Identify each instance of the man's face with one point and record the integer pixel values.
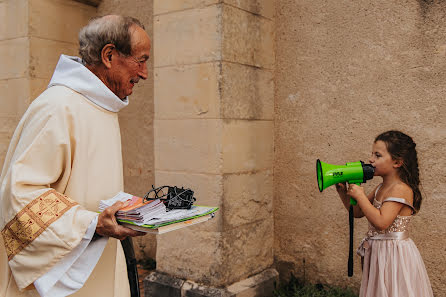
(127, 71)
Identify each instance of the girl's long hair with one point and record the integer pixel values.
(402, 147)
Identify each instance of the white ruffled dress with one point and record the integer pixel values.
(392, 264)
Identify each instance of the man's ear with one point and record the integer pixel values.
(107, 54)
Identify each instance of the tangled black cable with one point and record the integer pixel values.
(172, 197)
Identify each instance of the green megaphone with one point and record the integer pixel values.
(352, 173)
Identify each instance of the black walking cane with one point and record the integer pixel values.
(132, 271)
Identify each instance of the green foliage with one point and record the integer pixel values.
(297, 288)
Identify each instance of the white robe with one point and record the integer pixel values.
(64, 157)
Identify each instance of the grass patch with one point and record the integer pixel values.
(298, 288)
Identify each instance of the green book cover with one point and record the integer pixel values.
(194, 215)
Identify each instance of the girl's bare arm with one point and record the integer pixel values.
(381, 218)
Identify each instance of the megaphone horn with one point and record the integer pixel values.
(353, 173)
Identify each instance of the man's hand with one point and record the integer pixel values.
(108, 226)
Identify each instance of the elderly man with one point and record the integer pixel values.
(64, 157)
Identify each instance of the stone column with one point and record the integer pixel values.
(213, 130)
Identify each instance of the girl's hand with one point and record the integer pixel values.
(341, 188)
(355, 191)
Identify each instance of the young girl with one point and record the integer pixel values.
(392, 264)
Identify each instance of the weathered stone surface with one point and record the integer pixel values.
(14, 95)
(7, 127)
(14, 58)
(261, 7)
(248, 39)
(58, 20)
(189, 91)
(181, 252)
(345, 73)
(247, 250)
(145, 247)
(188, 37)
(157, 284)
(162, 6)
(247, 146)
(44, 55)
(14, 16)
(188, 145)
(259, 285)
(247, 198)
(246, 92)
(191, 289)
(36, 87)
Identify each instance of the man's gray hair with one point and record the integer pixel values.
(100, 31)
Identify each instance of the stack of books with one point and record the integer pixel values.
(153, 217)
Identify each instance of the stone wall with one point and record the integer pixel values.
(345, 72)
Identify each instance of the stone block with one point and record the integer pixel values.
(58, 20)
(5, 138)
(14, 16)
(188, 37)
(247, 250)
(8, 124)
(163, 6)
(215, 258)
(140, 9)
(157, 284)
(208, 188)
(192, 289)
(247, 146)
(247, 92)
(259, 285)
(247, 198)
(14, 57)
(247, 38)
(14, 98)
(145, 246)
(137, 145)
(7, 128)
(44, 55)
(192, 255)
(261, 7)
(138, 184)
(37, 86)
(195, 95)
(190, 146)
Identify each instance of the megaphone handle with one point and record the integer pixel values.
(350, 250)
(353, 201)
